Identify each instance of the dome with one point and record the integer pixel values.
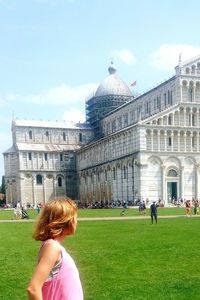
(112, 85)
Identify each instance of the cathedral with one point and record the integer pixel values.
(129, 147)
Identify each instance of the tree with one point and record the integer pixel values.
(3, 187)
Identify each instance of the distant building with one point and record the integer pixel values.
(143, 147)
(41, 164)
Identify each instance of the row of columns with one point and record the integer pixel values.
(189, 87)
(125, 189)
(171, 135)
(181, 115)
(11, 194)
(120, 187)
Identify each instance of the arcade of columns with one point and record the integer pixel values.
(176, 132)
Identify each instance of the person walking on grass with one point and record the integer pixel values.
(56, 276)
(187, 208)
(153, 211)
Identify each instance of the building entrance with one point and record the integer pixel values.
(171, 191)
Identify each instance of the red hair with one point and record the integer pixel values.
(56, 215)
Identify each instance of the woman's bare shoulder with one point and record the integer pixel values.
(52, 248)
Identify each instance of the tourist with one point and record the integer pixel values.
(17, 213)
(38, 207)
(153, 211)
(141, 207)
(187, 207)
(196, 207)
(56, 276)
(144, 208)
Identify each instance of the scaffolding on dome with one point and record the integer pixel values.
(98, 107)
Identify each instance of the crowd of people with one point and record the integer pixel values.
(189, 204)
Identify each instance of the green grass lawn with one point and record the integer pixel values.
(114, 212)
(117, 260)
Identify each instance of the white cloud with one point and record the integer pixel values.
(74, 115)
(166, 57)
(2, 100)
(53, 2)
(60, 95)
(124, 55)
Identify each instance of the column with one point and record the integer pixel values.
(163, 185)
(178, 135)
(33, 187)
(172, 141)
(197, 141)
(173, 117)
(194, 93)
(152, 140)
(165, 137)
(191, 144)
(197, 115)
(197, 182)
(55, 187)
(182, 182)
(184, 117)
(181, 93)
(178, 116)
(190, 118)
(158, 140)
(44, 189)
(185, 140)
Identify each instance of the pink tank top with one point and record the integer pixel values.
(66, 284)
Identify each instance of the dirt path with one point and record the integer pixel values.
(122, 218)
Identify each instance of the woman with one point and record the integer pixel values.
(187, 207)
(56, 276)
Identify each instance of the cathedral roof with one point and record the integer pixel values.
(112, 85)
(10, 150)
(46, 147)
(50, 124)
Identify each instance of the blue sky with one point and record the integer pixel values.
(53, 53)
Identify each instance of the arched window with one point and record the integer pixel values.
(124, 172)
(47, 135)
(193, 69)
(30, 134)
(80, 137)
(172, 173)
(106, 177)
(191, 94)
(187, 70)
(39, 179)
(114, 174)
(64, 136)
(59, 181)
(169, 120)
(193, 142)
(193, 120)
(198, 68)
